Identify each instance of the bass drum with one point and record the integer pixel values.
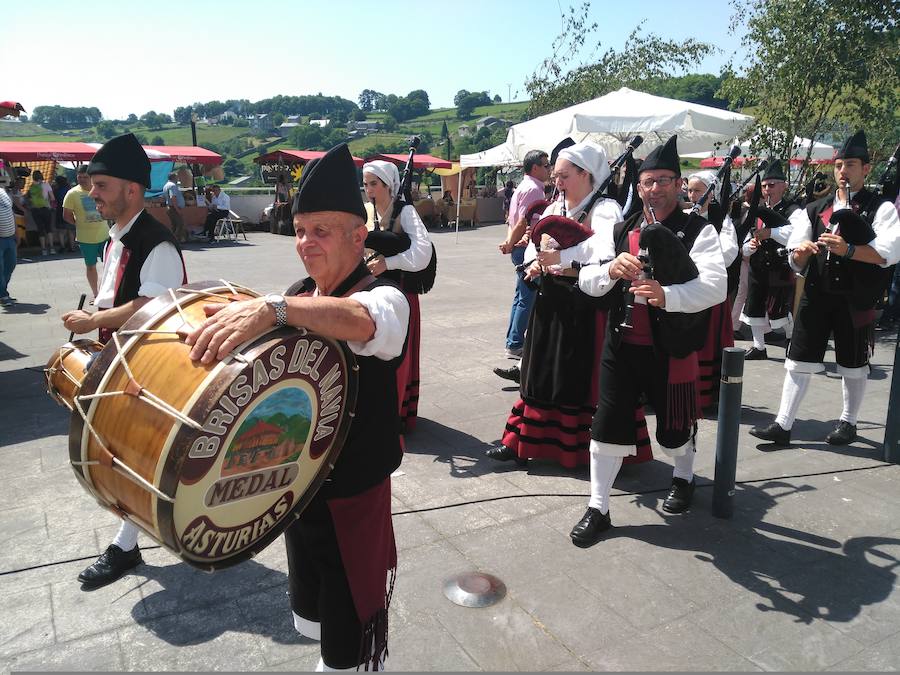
(66, 368)
(213, 462)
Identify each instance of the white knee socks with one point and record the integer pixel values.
(604, 470)
(322, 667)
(854, 390)
(684, 464)
(759, 336)
(792, 393)
(126, 537)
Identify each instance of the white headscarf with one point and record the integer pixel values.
(706, 177)
(387, 172)
(590, 157)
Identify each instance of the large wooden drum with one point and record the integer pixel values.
(66, 368)
(211, 461)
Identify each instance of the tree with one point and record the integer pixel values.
(465, 107)
(152, 120)
(359, 115)
(233, 167)
(106, 129)
(460, 95)
(819, 65)
(368, 99)
(564, 79)
(182, 115)
(389, 122)
(157, 140)
(61, 117)
(497, 98)
(307, 136)
(445, 133)
(277, 119)
(131, 119)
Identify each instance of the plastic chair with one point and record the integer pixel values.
(230, 227)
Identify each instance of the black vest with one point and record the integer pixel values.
(372, 450)
(145, 234)
(674, 333)
(861, 283)
(770, 254)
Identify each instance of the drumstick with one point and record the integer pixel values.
(80, 306)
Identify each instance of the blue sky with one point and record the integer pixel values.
(130, 57)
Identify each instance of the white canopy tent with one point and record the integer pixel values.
(611, 120)
(820, 151)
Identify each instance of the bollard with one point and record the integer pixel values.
(892, 425)
(727, 436)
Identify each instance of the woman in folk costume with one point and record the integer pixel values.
(563, 343)
(398, 246)
(721, 330)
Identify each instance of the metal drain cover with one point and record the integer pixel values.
(474, 589)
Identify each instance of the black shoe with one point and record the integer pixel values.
(754, 354)
(773, 433)
(680, 496)
(588, 530)
(501, 454)
(842, 434)
(512, 373)
(111, 565)
(775, 338)
(743, 335)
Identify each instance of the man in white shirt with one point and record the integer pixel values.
(219, 207)
(341, 549)
(142, 261)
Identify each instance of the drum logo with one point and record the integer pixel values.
(265, 440)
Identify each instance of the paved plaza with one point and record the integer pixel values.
(803, 577)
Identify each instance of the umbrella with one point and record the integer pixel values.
(11, 108)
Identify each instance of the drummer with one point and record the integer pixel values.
(142, 260)
(341, 550)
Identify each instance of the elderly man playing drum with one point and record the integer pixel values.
(341, 550)
(142, 261)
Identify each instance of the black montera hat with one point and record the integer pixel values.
(855, 147)
(567, 142)
(330, 184)
(774, 171)
(663, 157)
(122, 157)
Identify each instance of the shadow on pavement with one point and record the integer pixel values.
(26, 410)
(793, 572)
(26, 308)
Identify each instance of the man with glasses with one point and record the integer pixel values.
(845, 244)
(537, 172)
(645, 356)
(770, 291)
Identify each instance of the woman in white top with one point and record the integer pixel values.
(399, 247)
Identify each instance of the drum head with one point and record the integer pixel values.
(273, 428)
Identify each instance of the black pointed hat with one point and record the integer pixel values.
(567, 142)
(330, 184)
(122, 157)
(855, 147)
(663, 157)
(774, 171)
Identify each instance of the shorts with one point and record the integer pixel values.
(43, 218)
(91, 252)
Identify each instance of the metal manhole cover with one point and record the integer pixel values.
(474, 589)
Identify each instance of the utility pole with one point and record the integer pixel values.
(509, 92)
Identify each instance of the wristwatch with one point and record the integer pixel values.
(278, 303)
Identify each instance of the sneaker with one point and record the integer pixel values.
(7, 301)
(52, 251)
(514, 352)
(43, 251)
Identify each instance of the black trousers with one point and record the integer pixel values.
(209, 227)
(827, 315)
(770, 293)
(627, 372)
(318, 585)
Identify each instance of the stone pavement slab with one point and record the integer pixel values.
(803, 577)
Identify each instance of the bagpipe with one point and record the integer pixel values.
(392, 241)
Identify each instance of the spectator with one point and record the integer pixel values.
(219, 205)
(507, 197)
(7, 240)
(66, 230)
(39, 199)
(91, 230)
(174, 204)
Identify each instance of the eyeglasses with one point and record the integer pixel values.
(663, 181)
(546, 165)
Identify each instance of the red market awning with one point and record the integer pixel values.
(295, 157)
(11, 108)
(419, 161)
(29, 151)
(188, 154)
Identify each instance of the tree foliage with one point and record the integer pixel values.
(62, 117)
(155, 120)
(566, 77)
(814, 66)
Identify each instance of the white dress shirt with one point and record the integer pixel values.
(418, 255)
(389, 309)
(709, 288)
(161, 270)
